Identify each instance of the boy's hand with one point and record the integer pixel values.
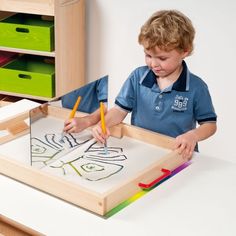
(99, 135)
(185, 144)
(76, 125)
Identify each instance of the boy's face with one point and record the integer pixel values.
(164, 63)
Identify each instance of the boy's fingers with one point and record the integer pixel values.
(97, 136)
(187, 156)
(68, 127)
(95, 133)
(185, 151)
(188, 152)
(181, 148)
(68, 121)
(176, 145)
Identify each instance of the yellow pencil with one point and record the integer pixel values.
(72, 114)
(103, 124)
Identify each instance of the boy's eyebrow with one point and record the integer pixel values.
(154, 55)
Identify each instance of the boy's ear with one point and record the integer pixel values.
(185, 53)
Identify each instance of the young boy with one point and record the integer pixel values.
(165, 96)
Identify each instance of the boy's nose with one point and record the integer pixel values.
(155, 64)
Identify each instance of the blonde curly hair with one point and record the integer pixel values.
(168, 30)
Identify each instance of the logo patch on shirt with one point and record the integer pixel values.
(180, 103)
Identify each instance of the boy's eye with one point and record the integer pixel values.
(162, 58)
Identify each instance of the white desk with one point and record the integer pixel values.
(200, 200)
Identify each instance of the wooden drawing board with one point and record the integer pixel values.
(151, 151)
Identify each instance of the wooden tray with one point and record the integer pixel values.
(100, 203)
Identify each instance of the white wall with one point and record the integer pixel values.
(112, 48)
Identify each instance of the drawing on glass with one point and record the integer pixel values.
(89, 161)
(94, 164)
(47, 149)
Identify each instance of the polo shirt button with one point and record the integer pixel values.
(160, 96)
(157, 108)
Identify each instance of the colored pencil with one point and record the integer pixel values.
(76, 105)
(103, 124)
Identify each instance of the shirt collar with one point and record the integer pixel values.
(181, 84)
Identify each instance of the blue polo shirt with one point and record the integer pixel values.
(172, 111)
(92, 94)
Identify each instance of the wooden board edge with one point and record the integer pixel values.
(53, 185)
(148, 136)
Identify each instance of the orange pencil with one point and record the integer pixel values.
(103, 124)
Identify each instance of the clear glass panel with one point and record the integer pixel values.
(48, 140)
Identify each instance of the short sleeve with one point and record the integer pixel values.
(204, 110)
(126, 97)
(102, 89)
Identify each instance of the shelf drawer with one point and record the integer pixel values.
(28, 75)
(27, 32)
(28, 6)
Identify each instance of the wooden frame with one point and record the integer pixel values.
(69, 18)
(92, 201)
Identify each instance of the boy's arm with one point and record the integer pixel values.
(186, 142)
(113, 117)
(205, 130)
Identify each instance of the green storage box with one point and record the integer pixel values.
(28, 32)
(28, 75)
